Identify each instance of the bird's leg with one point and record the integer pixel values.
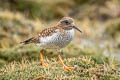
(64, 66)
(42, 60)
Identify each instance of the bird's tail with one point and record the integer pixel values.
(27, 41)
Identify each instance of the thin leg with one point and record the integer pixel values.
(42, 60)
(64, 66)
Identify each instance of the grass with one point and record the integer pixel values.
(86, 68)
(23, 63)
(31, 52)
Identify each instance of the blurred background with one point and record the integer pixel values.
(22, 19)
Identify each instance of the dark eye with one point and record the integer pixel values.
(66, 22)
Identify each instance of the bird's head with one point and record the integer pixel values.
(67, 23)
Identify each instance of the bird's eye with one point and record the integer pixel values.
(66, 22)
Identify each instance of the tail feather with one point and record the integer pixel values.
(27, 41)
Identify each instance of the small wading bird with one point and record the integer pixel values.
(56, 37)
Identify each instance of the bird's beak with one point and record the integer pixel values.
(77, 28)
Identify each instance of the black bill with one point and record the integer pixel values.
(77, 28)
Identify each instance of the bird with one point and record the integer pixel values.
(56, 37)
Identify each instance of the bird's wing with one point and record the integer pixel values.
(46, 32)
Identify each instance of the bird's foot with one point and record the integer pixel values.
(44, 65)
(68, 68)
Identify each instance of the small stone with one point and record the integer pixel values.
(76, 66)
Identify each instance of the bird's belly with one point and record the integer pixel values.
(57, 40)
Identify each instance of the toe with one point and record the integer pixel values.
(44, 66)
(69, 68)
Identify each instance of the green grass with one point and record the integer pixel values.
(86, 68)
(31, 52)
(23, 63)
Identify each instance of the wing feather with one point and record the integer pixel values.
(44, 33)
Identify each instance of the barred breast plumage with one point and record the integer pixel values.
(57, 40)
